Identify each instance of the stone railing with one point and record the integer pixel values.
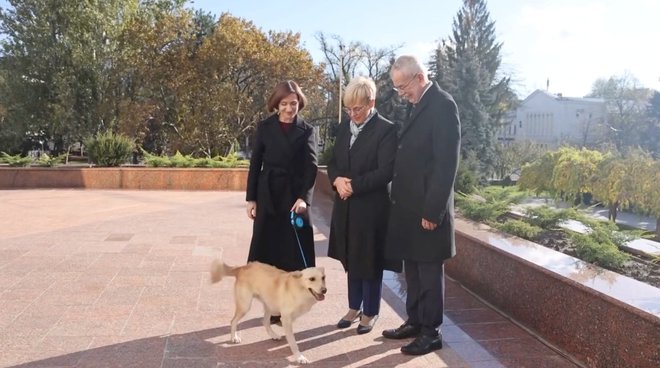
(123, 178)
(599, 317)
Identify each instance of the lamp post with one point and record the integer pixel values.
(341, 73)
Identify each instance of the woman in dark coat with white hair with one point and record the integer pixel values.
(360, 169)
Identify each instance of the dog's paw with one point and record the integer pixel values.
(235, 339)
(301, 359)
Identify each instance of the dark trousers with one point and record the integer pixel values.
(365, 294)
(426, 294)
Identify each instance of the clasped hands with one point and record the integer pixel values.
(343, 186)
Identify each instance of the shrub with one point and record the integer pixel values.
(326, 155)
(478, 209)
(15, 160)
(179, 160)
(489, 203)
(466, 180)
(109, 149)
(520, 228)
(509, 195)
(45, 160)
(595, 248)
(547, 217)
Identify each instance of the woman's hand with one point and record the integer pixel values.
(252, 209)
(343, 186)
(300, 206)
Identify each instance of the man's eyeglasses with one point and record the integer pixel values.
(404, 86)
(354, 111)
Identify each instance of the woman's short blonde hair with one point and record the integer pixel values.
(359, 90)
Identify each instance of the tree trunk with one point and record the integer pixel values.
(613, 211)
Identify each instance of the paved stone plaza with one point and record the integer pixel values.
(94, 278)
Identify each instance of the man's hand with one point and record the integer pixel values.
(252, 210)
(428, 225)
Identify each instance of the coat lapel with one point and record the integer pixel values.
(297, 131)
(417, 109)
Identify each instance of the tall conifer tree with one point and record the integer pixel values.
(467, 65)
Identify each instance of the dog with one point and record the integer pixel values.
(288, 294)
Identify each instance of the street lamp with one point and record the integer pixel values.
(341, 73)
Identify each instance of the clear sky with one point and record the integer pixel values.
(571, 42)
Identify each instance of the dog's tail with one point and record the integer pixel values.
(220, 269)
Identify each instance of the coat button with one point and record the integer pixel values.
(400, 146)
(393, 202)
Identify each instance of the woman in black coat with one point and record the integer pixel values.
(359, 170)
(281, 179)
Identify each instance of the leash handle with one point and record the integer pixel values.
(295, 231)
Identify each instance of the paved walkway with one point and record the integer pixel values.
(624, 218)
(119, 279)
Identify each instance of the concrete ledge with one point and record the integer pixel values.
(599, 317)
(123, 178)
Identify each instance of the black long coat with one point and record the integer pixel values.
(282, 169)
(358, 228)
(423, 183)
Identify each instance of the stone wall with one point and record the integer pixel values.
(599, 317)
(123, 178)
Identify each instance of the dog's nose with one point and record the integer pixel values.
(324, 290)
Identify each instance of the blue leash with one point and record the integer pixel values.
(297, 222)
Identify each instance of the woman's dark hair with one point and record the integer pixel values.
(282, 90)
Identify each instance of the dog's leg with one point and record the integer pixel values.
(288, 330)
(243, 300)
(266, 322)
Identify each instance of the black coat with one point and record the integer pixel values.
(358, 228)
(423, 183)
(282, 169)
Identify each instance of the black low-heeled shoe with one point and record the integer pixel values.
(345, 323)
(363, 329)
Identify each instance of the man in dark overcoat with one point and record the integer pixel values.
(421, 225)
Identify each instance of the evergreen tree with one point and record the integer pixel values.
(467, 65)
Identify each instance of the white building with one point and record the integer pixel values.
(553, 120)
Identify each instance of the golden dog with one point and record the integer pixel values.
(288, 294)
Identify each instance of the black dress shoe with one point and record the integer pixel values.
(404, 331)
(423, 344)
(346, 323)
(366, 327)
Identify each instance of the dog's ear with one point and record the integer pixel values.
(296, 274)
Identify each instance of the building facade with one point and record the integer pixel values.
(553, 120)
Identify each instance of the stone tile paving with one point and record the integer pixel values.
(120, 279)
